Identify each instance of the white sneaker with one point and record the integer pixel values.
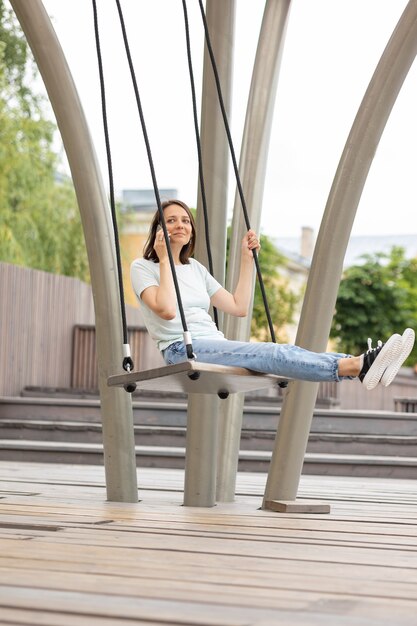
(377, 360)
(408, 338)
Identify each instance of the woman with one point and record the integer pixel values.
(154, 287)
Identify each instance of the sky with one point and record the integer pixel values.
(331, 51)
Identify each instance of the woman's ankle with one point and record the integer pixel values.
(350, 366)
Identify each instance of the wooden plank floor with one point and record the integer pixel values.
(68, 557)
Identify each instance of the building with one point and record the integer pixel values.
(299, 251)
(138, 207)
(358, 246)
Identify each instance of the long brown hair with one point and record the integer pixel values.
(186, 252)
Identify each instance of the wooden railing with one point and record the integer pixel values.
(353, 395)
(84, 374)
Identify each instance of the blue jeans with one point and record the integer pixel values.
(283, 360)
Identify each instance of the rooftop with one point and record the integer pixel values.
(144, 199)
(358, 245)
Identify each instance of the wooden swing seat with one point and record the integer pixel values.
(194, 377)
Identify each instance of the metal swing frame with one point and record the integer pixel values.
(324, 278)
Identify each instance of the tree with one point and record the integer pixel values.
(40, 225)
(282, 300)
(17, 61)
(375, 299)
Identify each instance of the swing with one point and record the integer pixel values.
(195, 377)
(189, 376)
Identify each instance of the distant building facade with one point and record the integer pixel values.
(358, 245)
(299, 251)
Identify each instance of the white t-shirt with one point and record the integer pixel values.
(196, 285)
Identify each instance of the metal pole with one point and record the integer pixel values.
(252, 167)
(116, 406)
(327, 264)
(203, 410)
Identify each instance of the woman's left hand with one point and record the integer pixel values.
(250, 242)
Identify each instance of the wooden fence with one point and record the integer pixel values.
(38, 312)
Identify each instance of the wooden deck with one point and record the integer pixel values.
(68, 557)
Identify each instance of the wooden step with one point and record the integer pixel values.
(88, 410)
(83, 432)
(164, 413)
(171, 457)
(335, 443)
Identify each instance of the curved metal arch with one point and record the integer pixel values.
(327, 265)
(116, 405)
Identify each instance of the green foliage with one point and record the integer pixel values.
(376, 299)
(282, 301)
(18, 65)
(39, 221)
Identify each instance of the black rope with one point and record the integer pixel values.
(198, 143)
(127, 361)
(235, 167)
(154, 181)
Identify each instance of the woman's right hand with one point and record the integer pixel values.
(161, 299)
(159, 245)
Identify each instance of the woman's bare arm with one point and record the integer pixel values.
(237, 303)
